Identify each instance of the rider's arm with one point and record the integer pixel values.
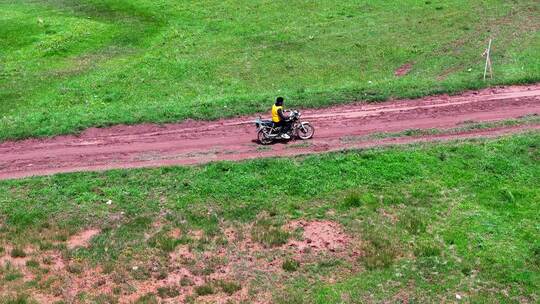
(281, 115)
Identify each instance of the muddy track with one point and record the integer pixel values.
(194, 142)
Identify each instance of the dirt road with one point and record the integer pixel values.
(339, 127)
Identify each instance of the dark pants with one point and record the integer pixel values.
(283, 125)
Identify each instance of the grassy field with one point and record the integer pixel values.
(66, 65)
(423, 223)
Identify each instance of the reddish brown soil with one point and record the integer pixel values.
(194, 142)
(403, 70)
(319, 236)
(82, 239)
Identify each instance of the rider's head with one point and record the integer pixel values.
(279, 101)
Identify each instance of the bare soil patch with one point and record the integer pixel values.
(82, 239)
(404, 69)
(319, 236)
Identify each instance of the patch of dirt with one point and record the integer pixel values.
(6, 258)
(176, 233)
(196, 234)
(82, 238)
(181, 254)
(403, 70)
(319, 236)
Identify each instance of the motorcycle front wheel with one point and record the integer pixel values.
(263, 139)
(306, 131)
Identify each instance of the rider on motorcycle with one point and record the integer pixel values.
(279, 119)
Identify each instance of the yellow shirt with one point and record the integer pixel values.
(275, 114)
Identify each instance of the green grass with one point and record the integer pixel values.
(66, 65)
(168, 292)
(268, 233)
(22, 299)
(427, 227)
(17, 253)
(204, 290)
(229, 287)
(290, 265)
(147, 299)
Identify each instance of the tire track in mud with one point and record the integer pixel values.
(194, 142)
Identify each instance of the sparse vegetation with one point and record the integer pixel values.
(268, 233)
(288, 297)
(300, 145)
(140, 273)
(427, 248)
(19, 299)
(12, 276)
(105, 299)
(149, 298)
(32, 263)
(204, 290)
(413, 222)
(353, 199)
(186, 281)
(290, 265)
(164, 242)
(380, 250)
(168, 292)
(229, 287)
(75, 268)
(18, 253)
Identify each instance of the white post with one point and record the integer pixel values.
(488, 61)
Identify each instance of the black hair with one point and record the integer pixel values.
(279, 101)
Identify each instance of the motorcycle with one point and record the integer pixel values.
(267, 132)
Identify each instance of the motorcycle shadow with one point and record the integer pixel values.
(280, 141)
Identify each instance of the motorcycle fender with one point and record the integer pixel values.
(305, 123)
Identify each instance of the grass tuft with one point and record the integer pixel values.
(186, 281)
(32, 263)
(290, 265)
(149, 298)
(18, 252)
(412, 221)
(19, 299)
(427, 249)
(12, 276)
(168, 292)
(380, 249)
(229, 287)
(268, 233)
(204, 290)
(352, 200)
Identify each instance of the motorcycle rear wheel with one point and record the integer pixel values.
(263, 139)
(306, 131)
